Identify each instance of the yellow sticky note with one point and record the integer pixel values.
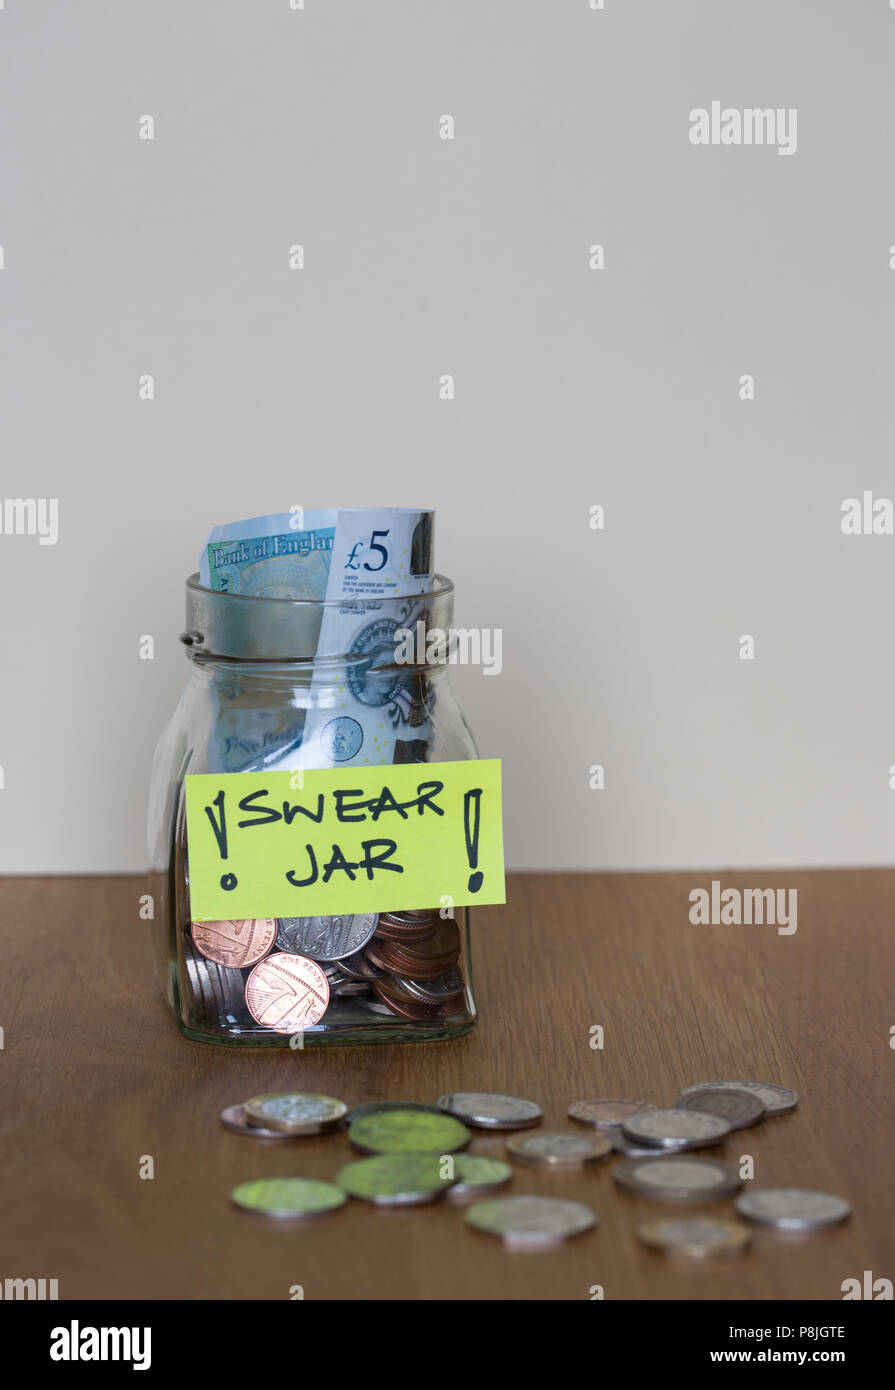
(353, 839)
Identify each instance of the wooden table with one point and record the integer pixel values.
(96, 1077)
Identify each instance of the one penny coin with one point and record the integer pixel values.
(287, 993)
(237, 941)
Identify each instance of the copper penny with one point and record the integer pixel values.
(373, 956)
(392, 987)
(423, 961)
(415, 969)
(417, 1013)
(287, 993)
(237, 941)
(411, 935)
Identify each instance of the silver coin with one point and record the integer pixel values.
(234, 1118)
(326, 938)
(678, 1178)
(739, 1108)
(376, 1008)
(487, 1111)
(560, 1150)
(792, 1208)
(621, 1145)
(216, 992)
(777, 1100)
(351, 966)
(343, 989)
(531, 1221)
(433, 991)
(675, 1129)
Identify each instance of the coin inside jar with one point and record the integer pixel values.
(739, 1108)
(442, 988)
(408, 1131)
(530, 1221)
(326, 938)
(396, 1180)
(288, 1198)
(412, 918)
(235, 942)
(695, 1237)
(606, 1114)
(414, 1011)
(559, 1150)
(287, 993)
(485, 1110)
(296, 1113)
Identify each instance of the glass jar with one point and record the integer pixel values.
(261, 696)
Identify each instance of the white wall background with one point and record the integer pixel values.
(573, 387)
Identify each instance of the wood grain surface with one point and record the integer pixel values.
(95, 1076)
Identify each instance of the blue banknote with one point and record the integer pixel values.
(373, 565)
(285, 555)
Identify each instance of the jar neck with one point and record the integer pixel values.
(283, 676)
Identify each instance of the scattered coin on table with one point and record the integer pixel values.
(696, 1237)
(678, 1178)
(486, 1111)
(564, 1149)
(739, 1108)
(288, 1198)
(379, 1107)
(624, 1146)
(396, 1180)
(777, 1100)
(234, 1118)
(526, 1222)
(477, 1174)
(607, 1114)
(410, 1141)
(675, 1129)
(792, 1208)
(295, 1113)
(408, 1131)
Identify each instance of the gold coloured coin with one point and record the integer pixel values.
(295, 1113)
(696, 1237)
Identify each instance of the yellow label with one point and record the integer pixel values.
(353, 839)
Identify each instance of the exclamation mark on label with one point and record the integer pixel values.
(472, 809)
(228, 881)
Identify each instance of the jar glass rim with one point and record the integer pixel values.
(441, 587)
